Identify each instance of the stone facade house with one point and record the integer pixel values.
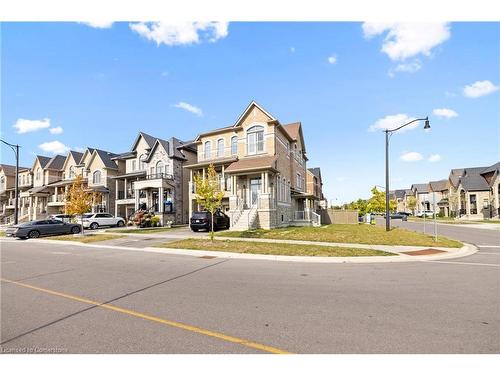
(439, 196)
(262, 170)
(422, 195)
(492, 176)
(153, 178)
(402, 200)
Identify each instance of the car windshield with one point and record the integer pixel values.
(200, 215)
(86, 216)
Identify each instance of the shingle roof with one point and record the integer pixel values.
(254, 163)
(439, 185)
(315, 171)
(420, 188)
(150, 140)
(77, 156)
(494, 168)
(8, 170)
(43, 160)
(56, 162)
(292, 129)
(106, 158)
(400, 193)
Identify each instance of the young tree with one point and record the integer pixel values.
(377, 201)
(412, 203)
(78, 199)
(208, 193)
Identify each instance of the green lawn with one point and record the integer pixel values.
(85, 239)
(347, 233)
(141, 230)
(271, 248)
(2, 233)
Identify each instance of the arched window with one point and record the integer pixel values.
(220, 148)
(96, 177)
(159, 167)
(255, 139)
(71, 172)
(234, 145)
(142, 162)
(208, 149)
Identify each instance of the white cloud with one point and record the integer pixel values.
(479, 88)
(404, 40)
(434, 158)
(164, 74)
(444, 112)
(28, 126)
(100, 24)
(393, 121)
(54, 147)
(172, 34)
(332, 59)
(190, 108)
(411, 156)
(56, 130)
(292, 49)
(411, 67)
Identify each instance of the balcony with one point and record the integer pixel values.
(216, 154)
(56, 200)
(155, 176)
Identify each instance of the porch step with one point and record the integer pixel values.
(242, 223)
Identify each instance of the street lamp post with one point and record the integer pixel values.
(15, 148)
(387, 133)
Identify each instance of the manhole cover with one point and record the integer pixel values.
(208, 257)
(424, 252)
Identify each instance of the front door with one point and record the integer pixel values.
(255, 186)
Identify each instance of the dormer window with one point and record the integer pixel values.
(255, 140)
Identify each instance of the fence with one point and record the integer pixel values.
(331, 216)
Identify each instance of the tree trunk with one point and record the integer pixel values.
(212, 228)
(81, 222)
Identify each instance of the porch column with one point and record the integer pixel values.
(36, 208)
(223, 181)
(160, 199)
(125, 189)
(21, 201)
(263, 183)
(55, 195)
(203, 173)
(117, 182)
(136, 193)
(30, 208)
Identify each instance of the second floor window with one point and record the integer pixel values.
(37, 175)
(133, 165)
(234, 145)
(220, 148)
(71, 172)
(159, 167)
(208, 149)
(255, 139)
(96, 177)
(142, 162)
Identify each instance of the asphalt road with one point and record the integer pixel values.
(157, 303)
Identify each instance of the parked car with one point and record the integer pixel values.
(94, 221)
(37, 228)
(63, 217)
(203, 220)
(399, 215)
(427, 213)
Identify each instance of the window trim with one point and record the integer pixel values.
(94, 174)
(254, 131)
(234, 145)
(220, 152)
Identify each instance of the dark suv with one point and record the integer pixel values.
(203, 219)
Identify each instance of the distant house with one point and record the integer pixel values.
(439, 196)
(492, 177)
(314, 184)
(401, 196)
(421, 192)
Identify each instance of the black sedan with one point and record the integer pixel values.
(37, 228)
(203, 220)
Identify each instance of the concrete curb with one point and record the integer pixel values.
(467, 249)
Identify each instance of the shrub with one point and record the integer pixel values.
(155, 221)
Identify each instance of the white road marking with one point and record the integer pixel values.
(489, 246)
(466, 263)
(59, 253)
(482, 252)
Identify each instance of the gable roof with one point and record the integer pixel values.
(253, 163)
(439, 185)
(106, 158)
(77, 156)
(252, 104)
(493, 168)
(149, 139)
(43, 160)
(400, 193)
(56, 162)
(292, 129)
(10, 170)
(420, 188)
(315, 171)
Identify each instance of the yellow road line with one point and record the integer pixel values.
(171, 323)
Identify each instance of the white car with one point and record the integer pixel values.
(62, 217)
(427, 213)
(94, 221)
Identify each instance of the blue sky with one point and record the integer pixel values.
(102, 85)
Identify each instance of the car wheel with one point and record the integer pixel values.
(34, 234)
(94, 226)
(75, 230)
(120, 223)
(194, 229)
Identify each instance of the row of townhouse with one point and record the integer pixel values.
(261, 165)
(467, 193)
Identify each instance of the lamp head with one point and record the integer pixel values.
(427, 125)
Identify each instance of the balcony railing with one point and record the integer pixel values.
(216, 154)
(155, 176)
(57, 198)
(130, 195)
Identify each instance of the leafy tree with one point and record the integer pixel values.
(79, 199)
(377, 202)
(411, 202)
(208, 193)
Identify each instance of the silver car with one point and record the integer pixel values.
(37, 228)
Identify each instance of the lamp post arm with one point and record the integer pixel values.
(408, 123)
